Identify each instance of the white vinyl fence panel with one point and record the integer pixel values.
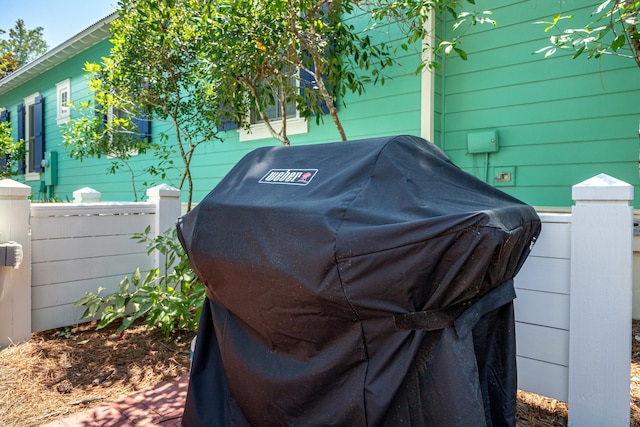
(78, 248)
(542, 311)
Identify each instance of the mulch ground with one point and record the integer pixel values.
(62, 372)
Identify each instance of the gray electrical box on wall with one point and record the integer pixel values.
(10, 254)
(485, 141)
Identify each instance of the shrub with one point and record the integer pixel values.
(169, 301)
(10, 152)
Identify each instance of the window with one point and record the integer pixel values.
(116, 113)
(295, 124)
(142, 126)
(31, 130)
(274, 112)
(63, 94)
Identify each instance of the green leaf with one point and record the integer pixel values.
(138, 314)
(92, 310)
(461, 53)
(618, 42)
(135, 278)
(150, 277)
(123, 287)
(579, 51)
(85, 300)
(120, 304)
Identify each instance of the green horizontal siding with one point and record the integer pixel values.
(72, 175)
(560, 121)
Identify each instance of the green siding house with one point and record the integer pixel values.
(34, 101)
(532, 126)
(559, 121)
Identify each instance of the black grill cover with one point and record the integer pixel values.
(359, 283)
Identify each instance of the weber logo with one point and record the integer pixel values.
(289, 176)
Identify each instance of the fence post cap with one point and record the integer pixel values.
(85, 195)
(9, 187)
(85, 190)
(602, 187)
(163, 190)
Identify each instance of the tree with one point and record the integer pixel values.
(93, 134)
(412, 16)
(194, 65)
(152, 72)
(277, 54)
(8, 64)
(613, 31)
(199, 65)
(25, 45)
(303, 52)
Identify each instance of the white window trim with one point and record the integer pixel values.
(63, 112)
(295, 126)
(29, 175)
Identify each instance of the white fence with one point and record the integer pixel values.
(573, 309)
(77, 248)
(542, 311)
(74, 248)
(574, 304)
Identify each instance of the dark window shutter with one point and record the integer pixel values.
(38, 125)
(308, 83)
(100, 113)
(21, 135)
(227, 124)
(143, 126)
(4, 160)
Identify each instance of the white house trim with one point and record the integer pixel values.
(427, 102)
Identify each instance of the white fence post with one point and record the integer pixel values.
(168, 209)
(600, 306)
(15, 283)
(169, 206)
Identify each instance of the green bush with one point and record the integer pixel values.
(171, 301)
(11, 152)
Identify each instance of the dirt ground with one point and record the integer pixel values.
(61, 372)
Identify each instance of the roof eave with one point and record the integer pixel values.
(76, 44)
